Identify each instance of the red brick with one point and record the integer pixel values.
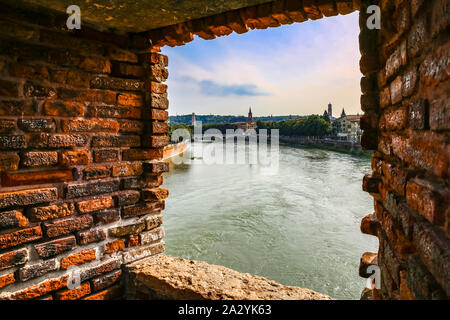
(9, 88)
(40, 289)
(37, 125)
(19, 237)
(161, 115)
(78, 190)
(439, 113)
(67, 140)
(9, 161)
(370, 225)
(429, 200)
(28, 72)
(133, 241)
(12, 219)
(111, 83)
(151, 180)
(31, 89)
(158, 74)
(95, 64)
(156, 87)
(115, 246)
(92, 173)
(155, 167)
(52, 212)
(126, 230)
(130, 99)
(10, 179)
(27, 197)
(73, 158)
(77, 259)
(130, 126)
(108, 294)
(98, 270)
(152, 236)
(118, 112)
(159, 101)
(67, 225)
(55, 247)
(128, 70)
(89, 126)
(13, 258)
(116, 141)
(107, 216)
(90, 236)
(74, 294)
(33, 159)
(154, 194)
(94, 96)
(6, 280)
(142, 209)
(118, 54)
(63, 109)
(126, 169)
(419, 114)
(158, 127)
(95, 204)
(396, 90)
(394, 120)
(106, 155)
(151, 141)
(7, 125)
(142, 154)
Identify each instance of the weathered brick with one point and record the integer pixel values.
(73, 158)
(116, 141)
(55, 247)
(154, 194)
(155, 167)
(133, 241)
(152, 236)
(128, 70)
(39, 289)
(142, 154)
(31, 89)
(419, 114)
(417, 36)
(38, 269)
(159, 101)
(141, 209)
(151, 181)
(6, 280)
(95, 64)
(52, 212)
(9, 88)
(96, 271)
(434, 69)
(396, 90)
(33, 159)
(12, 219)
(116, 83)
(127, 198)
(153, 221)
(63, 109)
(367, 259)
(440, 114)
(118, 54)
(107, 216)
(396, 61)
(427, 199)
(67, 225)
(126, 230)
(106, 280)
(89, 126)
(156, 87)
(27, 197)
(160, 115)
(19, 237)
(90, 236)
(78, 190)
(158, 74)
(115, 246)
(94, 96)
(13, 258)
(37, 140)
(151, 141)
(9, 161)
(157, 127)
(130, 99)
(12, 142)
(74, 294)
(394, 120)
(98, 172)
(37, 125)
(18, 108)
(67, 140)
(118, 112)
(142, 252)
(95, 204)
(106, 155)
(130, 126)
(7, 125)
(77, 259)
(28, 72)
(10, 179)
(126, 169)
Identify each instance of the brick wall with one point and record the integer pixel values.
(407, 107)
(82, 125)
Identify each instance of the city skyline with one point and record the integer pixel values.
(262, 69)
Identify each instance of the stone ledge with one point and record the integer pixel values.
(165, 277)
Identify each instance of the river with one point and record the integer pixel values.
(298, 226)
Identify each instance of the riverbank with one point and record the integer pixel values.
(327, 144)
(174, 149)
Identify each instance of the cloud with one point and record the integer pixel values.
(211, 88)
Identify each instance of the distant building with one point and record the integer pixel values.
(250, 124)
(193, 119)
(347, 127)
(330, 111)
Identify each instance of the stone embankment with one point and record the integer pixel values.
(165, 277)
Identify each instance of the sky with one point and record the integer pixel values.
(292, 69)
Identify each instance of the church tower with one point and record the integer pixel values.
(250, 115)
(330, 111)
(343, 113)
